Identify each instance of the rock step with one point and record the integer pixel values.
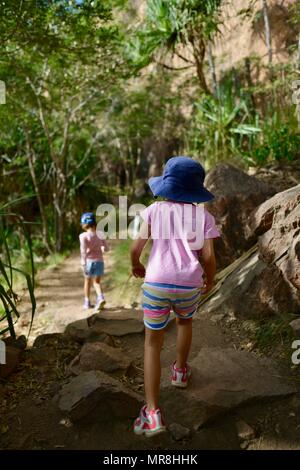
(112, 322)
(99, 356)
(222, 379)
(97, 396)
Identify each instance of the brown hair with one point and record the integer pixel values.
(87, 226)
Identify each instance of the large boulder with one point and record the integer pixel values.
(253, 289)
(236, 196)
(100, 356)
(277, 221)
(222, 380)
(95, 395)
(266, 279)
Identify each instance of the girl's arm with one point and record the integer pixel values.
(105, 245)
(82, 250)
(209, 264)
(138, 269)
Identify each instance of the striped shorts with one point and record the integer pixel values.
(159, 299)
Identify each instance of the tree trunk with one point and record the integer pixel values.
(267, 33)
(31, 162)
(59, 201)
(198, 45)
(212, 71)
(249, 81)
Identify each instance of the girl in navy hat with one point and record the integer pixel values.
(174, 278)
(92, 245)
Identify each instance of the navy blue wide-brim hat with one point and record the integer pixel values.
(182, 181)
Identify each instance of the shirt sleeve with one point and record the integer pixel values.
(146, 214)
(210, 228)
(82, 249)
(104, 245)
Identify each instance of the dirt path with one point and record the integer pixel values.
(231, 388)
(59, 296)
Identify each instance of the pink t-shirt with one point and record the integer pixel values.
(91, 244)
(178, 231)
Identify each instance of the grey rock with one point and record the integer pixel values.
(178, 432)
(49, 340)
(253, 289)
(295, 325)
(244, 445)
(236, 196)
(277, 221)
(120, 322)
(100, 356)
(110, 322)
(81, 332)
(42, 356)
(217, 318)
(99, 397)
(245, 432)
(222, 379)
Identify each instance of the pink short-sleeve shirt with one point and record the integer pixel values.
(91, 244)
(178, 231)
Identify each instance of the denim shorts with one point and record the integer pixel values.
(94, 269)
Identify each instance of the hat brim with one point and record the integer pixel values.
(159, 187)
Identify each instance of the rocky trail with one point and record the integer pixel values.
(80, 385)
(79, 382)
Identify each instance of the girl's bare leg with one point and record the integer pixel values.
(97, 286)
(87, 287)
(152, 368)
(184, 341)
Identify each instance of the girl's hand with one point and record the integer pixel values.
(206, 288)
(138, 270)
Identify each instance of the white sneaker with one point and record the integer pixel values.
(180, 377)
(86, 304)
(149, 423)
(99, 304)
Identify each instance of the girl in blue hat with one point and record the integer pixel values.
(92, 245)
(180, 231)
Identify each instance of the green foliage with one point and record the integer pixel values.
(57, 69)
(221, 127)
(251, 126)
(9, 312)
(279, 142)
(274, 334)
(295, 13)
(173, 23)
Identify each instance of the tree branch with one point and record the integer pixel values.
(184, 58)
(169, 67)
